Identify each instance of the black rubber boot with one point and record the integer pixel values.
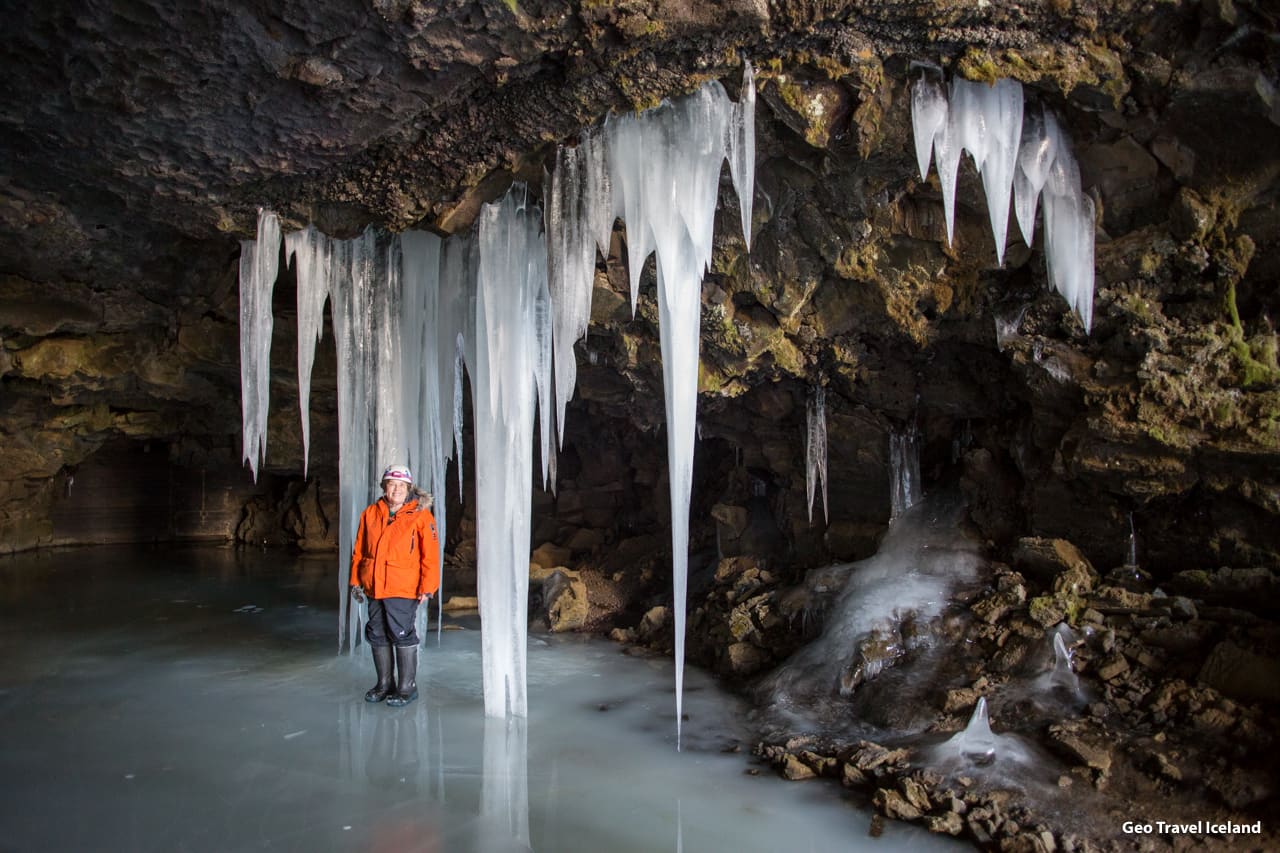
(407, 666)
(382, 665)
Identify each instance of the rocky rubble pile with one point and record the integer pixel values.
(1174, 718)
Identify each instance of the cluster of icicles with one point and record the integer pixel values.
(1023, 153)
(506, 302)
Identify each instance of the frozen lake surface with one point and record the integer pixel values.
(191, 699)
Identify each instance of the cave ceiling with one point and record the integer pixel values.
(133, 127)
(138, 139)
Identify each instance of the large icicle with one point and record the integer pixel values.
(366, 315)
(815, 449)
(423, 411)
(259, 263)
(665, 166)
(511, 274)
(312, 254)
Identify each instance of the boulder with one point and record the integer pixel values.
(565, 597)
(1055, 563)
(548, 555)
(1242, 674)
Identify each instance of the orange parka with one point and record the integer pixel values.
(396, 556)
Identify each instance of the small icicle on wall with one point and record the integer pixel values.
(1019, 152)
(815, 449)
(509, 302)
(904, 471)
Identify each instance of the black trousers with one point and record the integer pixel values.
(392, 622)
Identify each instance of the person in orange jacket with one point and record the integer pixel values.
(395, 565)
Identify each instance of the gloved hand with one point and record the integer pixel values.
(358, 594)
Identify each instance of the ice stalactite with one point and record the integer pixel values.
(455, 340)
(422, 408)
(1002, 109)
(349, 318)
(1035, 155)
(815, 449)
(904, 471)
(579, 218)
(1068, 227)
(665, 168)
(511, 279)
(741, 142)
(928, 117)
(1023, 156)
(312, 254)
(484, 303)
(259, 263)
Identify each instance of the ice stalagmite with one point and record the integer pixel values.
(1063, 675)
(312, 254)
(259, 263)
(815, 448)
(976, 742)
(510, 278)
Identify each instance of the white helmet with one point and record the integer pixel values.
(398, 472)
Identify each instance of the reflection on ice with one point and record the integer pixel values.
(504, 804)
(194, 727)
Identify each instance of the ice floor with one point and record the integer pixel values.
(191, 700)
